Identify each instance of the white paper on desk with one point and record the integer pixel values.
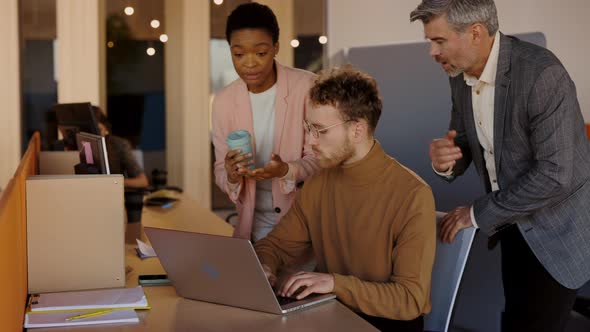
(145, 250)
(93, 299)
(51, 319)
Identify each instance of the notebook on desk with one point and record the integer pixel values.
(116, 298)
(221, 270)
(56, 319)
(85, 307)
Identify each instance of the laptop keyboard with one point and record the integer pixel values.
(286, 300)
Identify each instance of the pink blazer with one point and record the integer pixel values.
(232, 111)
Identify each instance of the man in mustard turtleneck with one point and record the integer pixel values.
(369, 220)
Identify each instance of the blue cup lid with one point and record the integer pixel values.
(238, 137)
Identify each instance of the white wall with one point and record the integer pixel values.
(188, 148)
(80, 62)
(284, 10)
(9, 92)
(565, 25)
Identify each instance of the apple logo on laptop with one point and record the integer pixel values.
(209, 270)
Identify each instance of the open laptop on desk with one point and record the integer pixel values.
(220, 269)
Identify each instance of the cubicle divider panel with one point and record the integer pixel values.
(76, 232)
(13, 277)
(13, 242)
(29, 165)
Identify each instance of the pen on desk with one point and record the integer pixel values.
(90, 314)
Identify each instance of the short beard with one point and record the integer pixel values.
(472, 59)
(455, 72)
(344, 153)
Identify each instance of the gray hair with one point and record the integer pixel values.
(460, 13)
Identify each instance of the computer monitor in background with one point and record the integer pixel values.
(93, 154)
(75, 118)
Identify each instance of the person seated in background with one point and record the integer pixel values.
(120, 153)
(369, 219)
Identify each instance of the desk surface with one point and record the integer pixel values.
(173, 313)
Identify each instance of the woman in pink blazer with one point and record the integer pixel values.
(269, 101)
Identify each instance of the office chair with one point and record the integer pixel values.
(449, 263)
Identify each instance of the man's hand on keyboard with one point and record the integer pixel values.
(310, 282)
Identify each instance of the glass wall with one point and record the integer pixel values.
(135, 40)
(39, 86)
(309, 26)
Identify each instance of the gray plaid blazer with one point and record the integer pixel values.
(542, 158)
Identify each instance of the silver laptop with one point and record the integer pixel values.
(220, 269)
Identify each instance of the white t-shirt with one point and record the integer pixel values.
(263, 116)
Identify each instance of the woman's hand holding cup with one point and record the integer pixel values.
(236, 165)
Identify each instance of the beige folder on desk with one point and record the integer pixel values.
(75, 232)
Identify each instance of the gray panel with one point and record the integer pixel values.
(449, 264)
(416, 109)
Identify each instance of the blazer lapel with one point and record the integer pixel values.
(280, 106)
(500, 97)
(243, 115)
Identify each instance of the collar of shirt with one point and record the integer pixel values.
(488, 75)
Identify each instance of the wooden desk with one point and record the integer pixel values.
(173, 313)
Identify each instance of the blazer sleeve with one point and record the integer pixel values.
(553, 112)
(457, 123)
(220, 131)
(308, 164)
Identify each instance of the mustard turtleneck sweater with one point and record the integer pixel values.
(372, 225)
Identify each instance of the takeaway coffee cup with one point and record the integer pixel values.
(240, 139)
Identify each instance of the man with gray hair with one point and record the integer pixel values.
(516, 117)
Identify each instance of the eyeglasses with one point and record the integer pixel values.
(315, 132)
